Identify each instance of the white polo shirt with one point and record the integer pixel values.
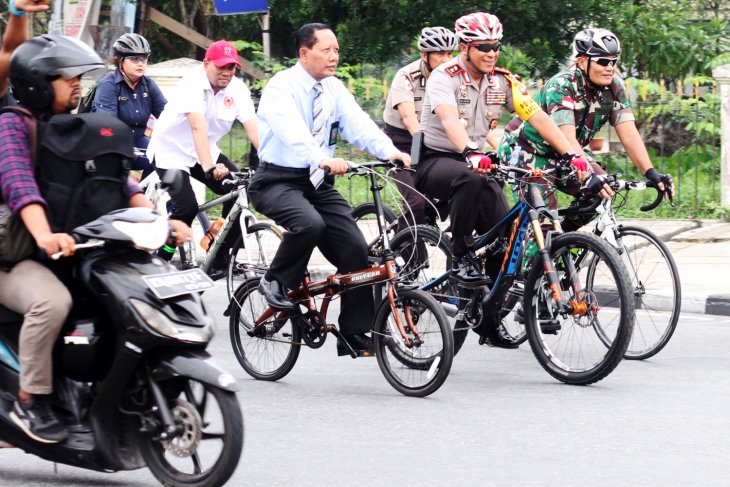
(172, 145)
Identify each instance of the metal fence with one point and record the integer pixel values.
(681, 129)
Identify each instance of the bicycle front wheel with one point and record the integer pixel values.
(424, 255)
(421, 367)
(656, 288)
(251, 256)
(579, 347)
(267, 351)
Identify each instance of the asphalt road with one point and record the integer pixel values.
(499, 420)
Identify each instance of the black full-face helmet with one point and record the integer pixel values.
(36, 62)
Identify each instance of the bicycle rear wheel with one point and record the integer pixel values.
(580, 348)
(267, 351)
(420, 369)
(656, 289)
(251, 256)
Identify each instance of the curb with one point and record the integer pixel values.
(718, 304)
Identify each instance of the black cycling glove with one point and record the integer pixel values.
(594, 184)
(656, 177)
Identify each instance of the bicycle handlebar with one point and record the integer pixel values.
(621, 185)
(361, 168)
(239, 177)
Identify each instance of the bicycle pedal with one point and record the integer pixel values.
(550, 327)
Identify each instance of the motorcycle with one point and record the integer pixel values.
(133, 383)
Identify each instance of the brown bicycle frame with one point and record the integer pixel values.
(335, 284)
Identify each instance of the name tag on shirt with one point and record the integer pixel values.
(334, 130)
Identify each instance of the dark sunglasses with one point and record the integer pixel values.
(486, 47)
(605, 61)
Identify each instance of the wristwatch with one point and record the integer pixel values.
(469, 148)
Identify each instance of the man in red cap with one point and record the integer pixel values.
(201, 111)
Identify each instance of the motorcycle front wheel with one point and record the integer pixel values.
(207, 446)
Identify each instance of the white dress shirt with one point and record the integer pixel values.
(172, 145)
(284, 121)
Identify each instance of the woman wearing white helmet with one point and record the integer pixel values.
(403, 107)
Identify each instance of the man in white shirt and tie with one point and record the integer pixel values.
(301, 113)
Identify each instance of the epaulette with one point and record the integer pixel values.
(504, 71)
(453, 70)
(416, 74)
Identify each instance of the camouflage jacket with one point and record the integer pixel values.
(569, 100)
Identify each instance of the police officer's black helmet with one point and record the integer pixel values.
(36, 62)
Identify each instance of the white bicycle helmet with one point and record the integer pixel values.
(478, 26)
(596, 42)
(437, 39)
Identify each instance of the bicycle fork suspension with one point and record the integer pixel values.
(572, 307)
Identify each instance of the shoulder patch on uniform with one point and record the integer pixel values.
(497, 69)
(453, 70)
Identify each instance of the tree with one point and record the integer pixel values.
(669, 39)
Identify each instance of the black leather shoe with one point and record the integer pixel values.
(275, 295)
(466, 273)
(361, 343)
(497, 336)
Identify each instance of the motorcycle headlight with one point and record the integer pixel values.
(164, 325)
(145, 235)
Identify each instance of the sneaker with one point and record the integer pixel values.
(466, 273)
(38, 421)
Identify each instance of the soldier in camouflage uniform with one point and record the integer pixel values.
(464, 99)
(403, 108)
(581, 100)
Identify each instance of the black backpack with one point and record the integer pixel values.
(82, 164)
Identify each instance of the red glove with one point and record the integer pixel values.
(477, 160)
(579, 164)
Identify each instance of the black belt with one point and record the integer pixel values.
(275, 167)
(397, 130)
(427, 151)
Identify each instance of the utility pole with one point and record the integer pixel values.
(264, 23)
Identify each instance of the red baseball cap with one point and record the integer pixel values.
(222, 53)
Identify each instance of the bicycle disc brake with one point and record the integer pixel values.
(314, 328)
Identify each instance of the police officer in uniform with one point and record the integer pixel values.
(302, 112)
(403, 107)
(464, 100)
